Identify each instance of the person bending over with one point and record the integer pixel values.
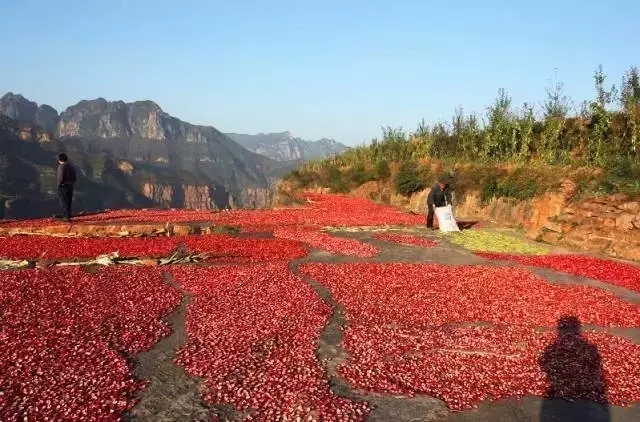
(439, 196)
(66, 177)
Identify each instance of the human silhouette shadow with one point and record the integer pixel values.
(573, 367)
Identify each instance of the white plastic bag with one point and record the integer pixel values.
(446, 221)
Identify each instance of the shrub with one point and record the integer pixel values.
(332, 178)
(359, 175)
(382, 170)
(408, 180)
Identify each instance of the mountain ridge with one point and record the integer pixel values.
(283, 146)
(168, 156)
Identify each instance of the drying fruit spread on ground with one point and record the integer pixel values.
(466, 334)
(64, 335)
(613, 272)
(259, 309)
(252, 335)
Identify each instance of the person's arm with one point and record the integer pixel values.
(72, 174)
(431, 198)
(448, 194)
(60, 174)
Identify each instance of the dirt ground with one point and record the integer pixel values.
(173, 395)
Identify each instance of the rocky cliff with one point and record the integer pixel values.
(146, 155)
(285, 147)
(22, 110)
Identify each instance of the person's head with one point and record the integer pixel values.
(62, 158)
(443, 181)
(569, 325)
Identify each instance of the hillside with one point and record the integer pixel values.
(508, 152)
(566, 179)
(284, 147)
(148, 156)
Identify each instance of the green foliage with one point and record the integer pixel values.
(382, 170)
(408, 179)
(358, 175)
(301, 178)
(597, 135)
(331, 177)
(520, 184)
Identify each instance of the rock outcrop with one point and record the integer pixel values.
(19, 108)
(607, 224)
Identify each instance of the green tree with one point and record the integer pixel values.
(630, 101)
(556, 104)
(600, 133)
(498, 133)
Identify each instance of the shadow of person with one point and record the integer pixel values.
(573, 366)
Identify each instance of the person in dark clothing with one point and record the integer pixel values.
(66, 178)
(439, 196)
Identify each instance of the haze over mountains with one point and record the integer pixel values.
(284, 147)
(134, 155)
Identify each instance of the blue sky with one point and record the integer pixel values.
(338, 69)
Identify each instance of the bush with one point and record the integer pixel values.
(302, 178)
(382, 170)
(408, 180)
(521, 184)
(359, 175)
(331, 177)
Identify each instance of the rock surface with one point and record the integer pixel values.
(607, 224)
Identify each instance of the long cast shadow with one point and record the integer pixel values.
(577, 387)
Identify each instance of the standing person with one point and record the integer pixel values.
(66, 177)
(439, 196)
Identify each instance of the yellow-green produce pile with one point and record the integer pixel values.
(494, 241)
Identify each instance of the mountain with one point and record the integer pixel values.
(129, 155)
(284, 147)
(19, 108)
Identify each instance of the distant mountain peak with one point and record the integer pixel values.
(23, 110)
(284, 146)
(14, 96)
(147, 104)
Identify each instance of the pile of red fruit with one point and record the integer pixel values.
(57, 248)
(64, 335)
(252, 338)
(465, 334)
(316, 238)
(120, 216)
(406, 239)
(460, 333)
(614, 272)
(224, 248)
(321, 210)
